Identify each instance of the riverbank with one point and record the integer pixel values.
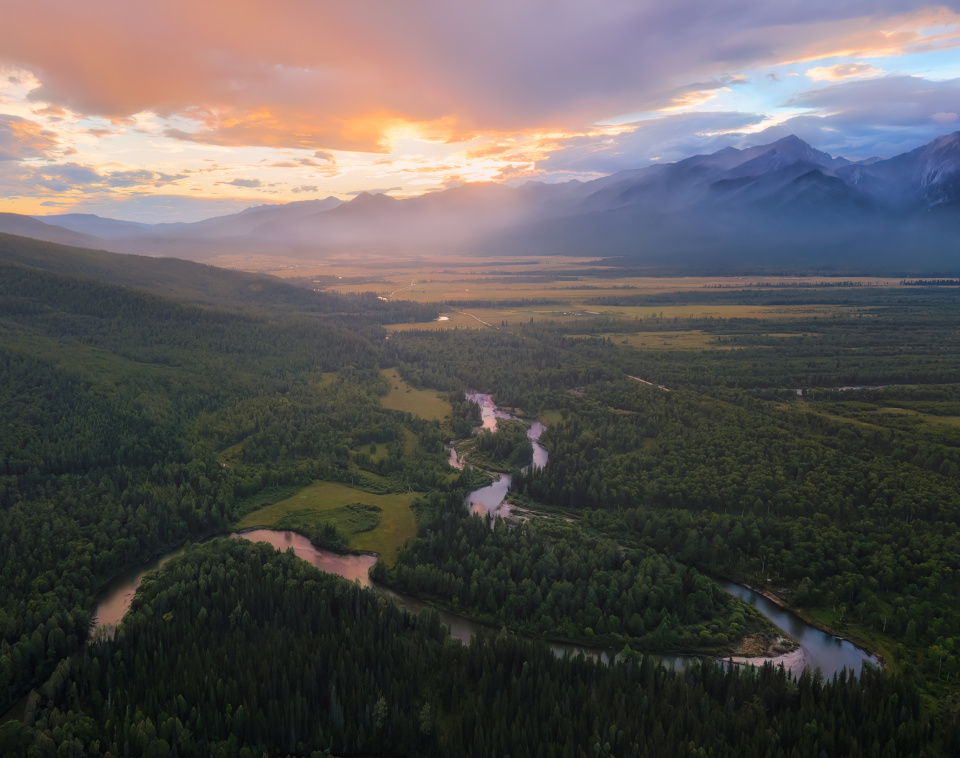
(866, 642)
(357, 568)
(758, 645)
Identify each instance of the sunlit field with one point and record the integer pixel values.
(325, 502)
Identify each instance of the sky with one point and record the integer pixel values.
(182, 110)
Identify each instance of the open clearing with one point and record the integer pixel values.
(570, 280)
(426, 404)
(494, 318)
(692, 339)
(551, 418)
(454, 320)
(953, 421)
(695, 339)
(396, 525)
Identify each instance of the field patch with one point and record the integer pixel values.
(426, 404)
(695, 339)
(349, 520)
(928, 418)
(348, 508)
(448, 320)
(551, 418)
(491, 317)
(771, 312)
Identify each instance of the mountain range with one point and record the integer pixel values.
(760, 207)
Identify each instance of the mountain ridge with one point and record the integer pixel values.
(727, 200)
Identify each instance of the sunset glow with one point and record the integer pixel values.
(180, 111)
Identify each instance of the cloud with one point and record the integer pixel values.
(344, 76)
(698, 93)
(102, 131)
(250, 183)
(142, 178)
(375, 191)
(664, 139)
(178, 134)
(67, 176)
(295, 164)
(304, 188)
(842, 71)
(21, 139)
(857, 119)
(51, 112)
(29, 179)
(868, 118)
(890, 101)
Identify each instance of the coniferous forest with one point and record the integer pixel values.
(148, 403)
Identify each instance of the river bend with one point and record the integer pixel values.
(816, 649)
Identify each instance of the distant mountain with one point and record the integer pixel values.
(96, 226)
(769, 206)
(453, 220)
(916, 181)
(26, 226)
(774, 206)
(248, 220)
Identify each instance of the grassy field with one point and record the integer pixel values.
(446, 281)
(877, 417)
(695, 339)
(439, 277)
(454, 320)
(803, 406)
(328, 501)
(779, 312)
(953, 421)
(551, 418)
(423, 403)
(493, 318)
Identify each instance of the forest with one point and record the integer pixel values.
(116, 402)
(146, 403)
(550, 580)
(235, 649)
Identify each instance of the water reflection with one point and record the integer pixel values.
(817, 649)
(356, 568)
(117, 595)
(490, 499)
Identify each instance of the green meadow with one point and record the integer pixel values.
(331, 502)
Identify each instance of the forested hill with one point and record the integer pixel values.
(236, 650)
(115, 403)
(199, 283)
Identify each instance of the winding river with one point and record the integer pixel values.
(816, 649)
(490, 499)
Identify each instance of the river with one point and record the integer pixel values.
(816, 649)
(490, 499)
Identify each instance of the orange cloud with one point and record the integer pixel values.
(842, 71)
(344, 75)
(879, 36)
(21, 139)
